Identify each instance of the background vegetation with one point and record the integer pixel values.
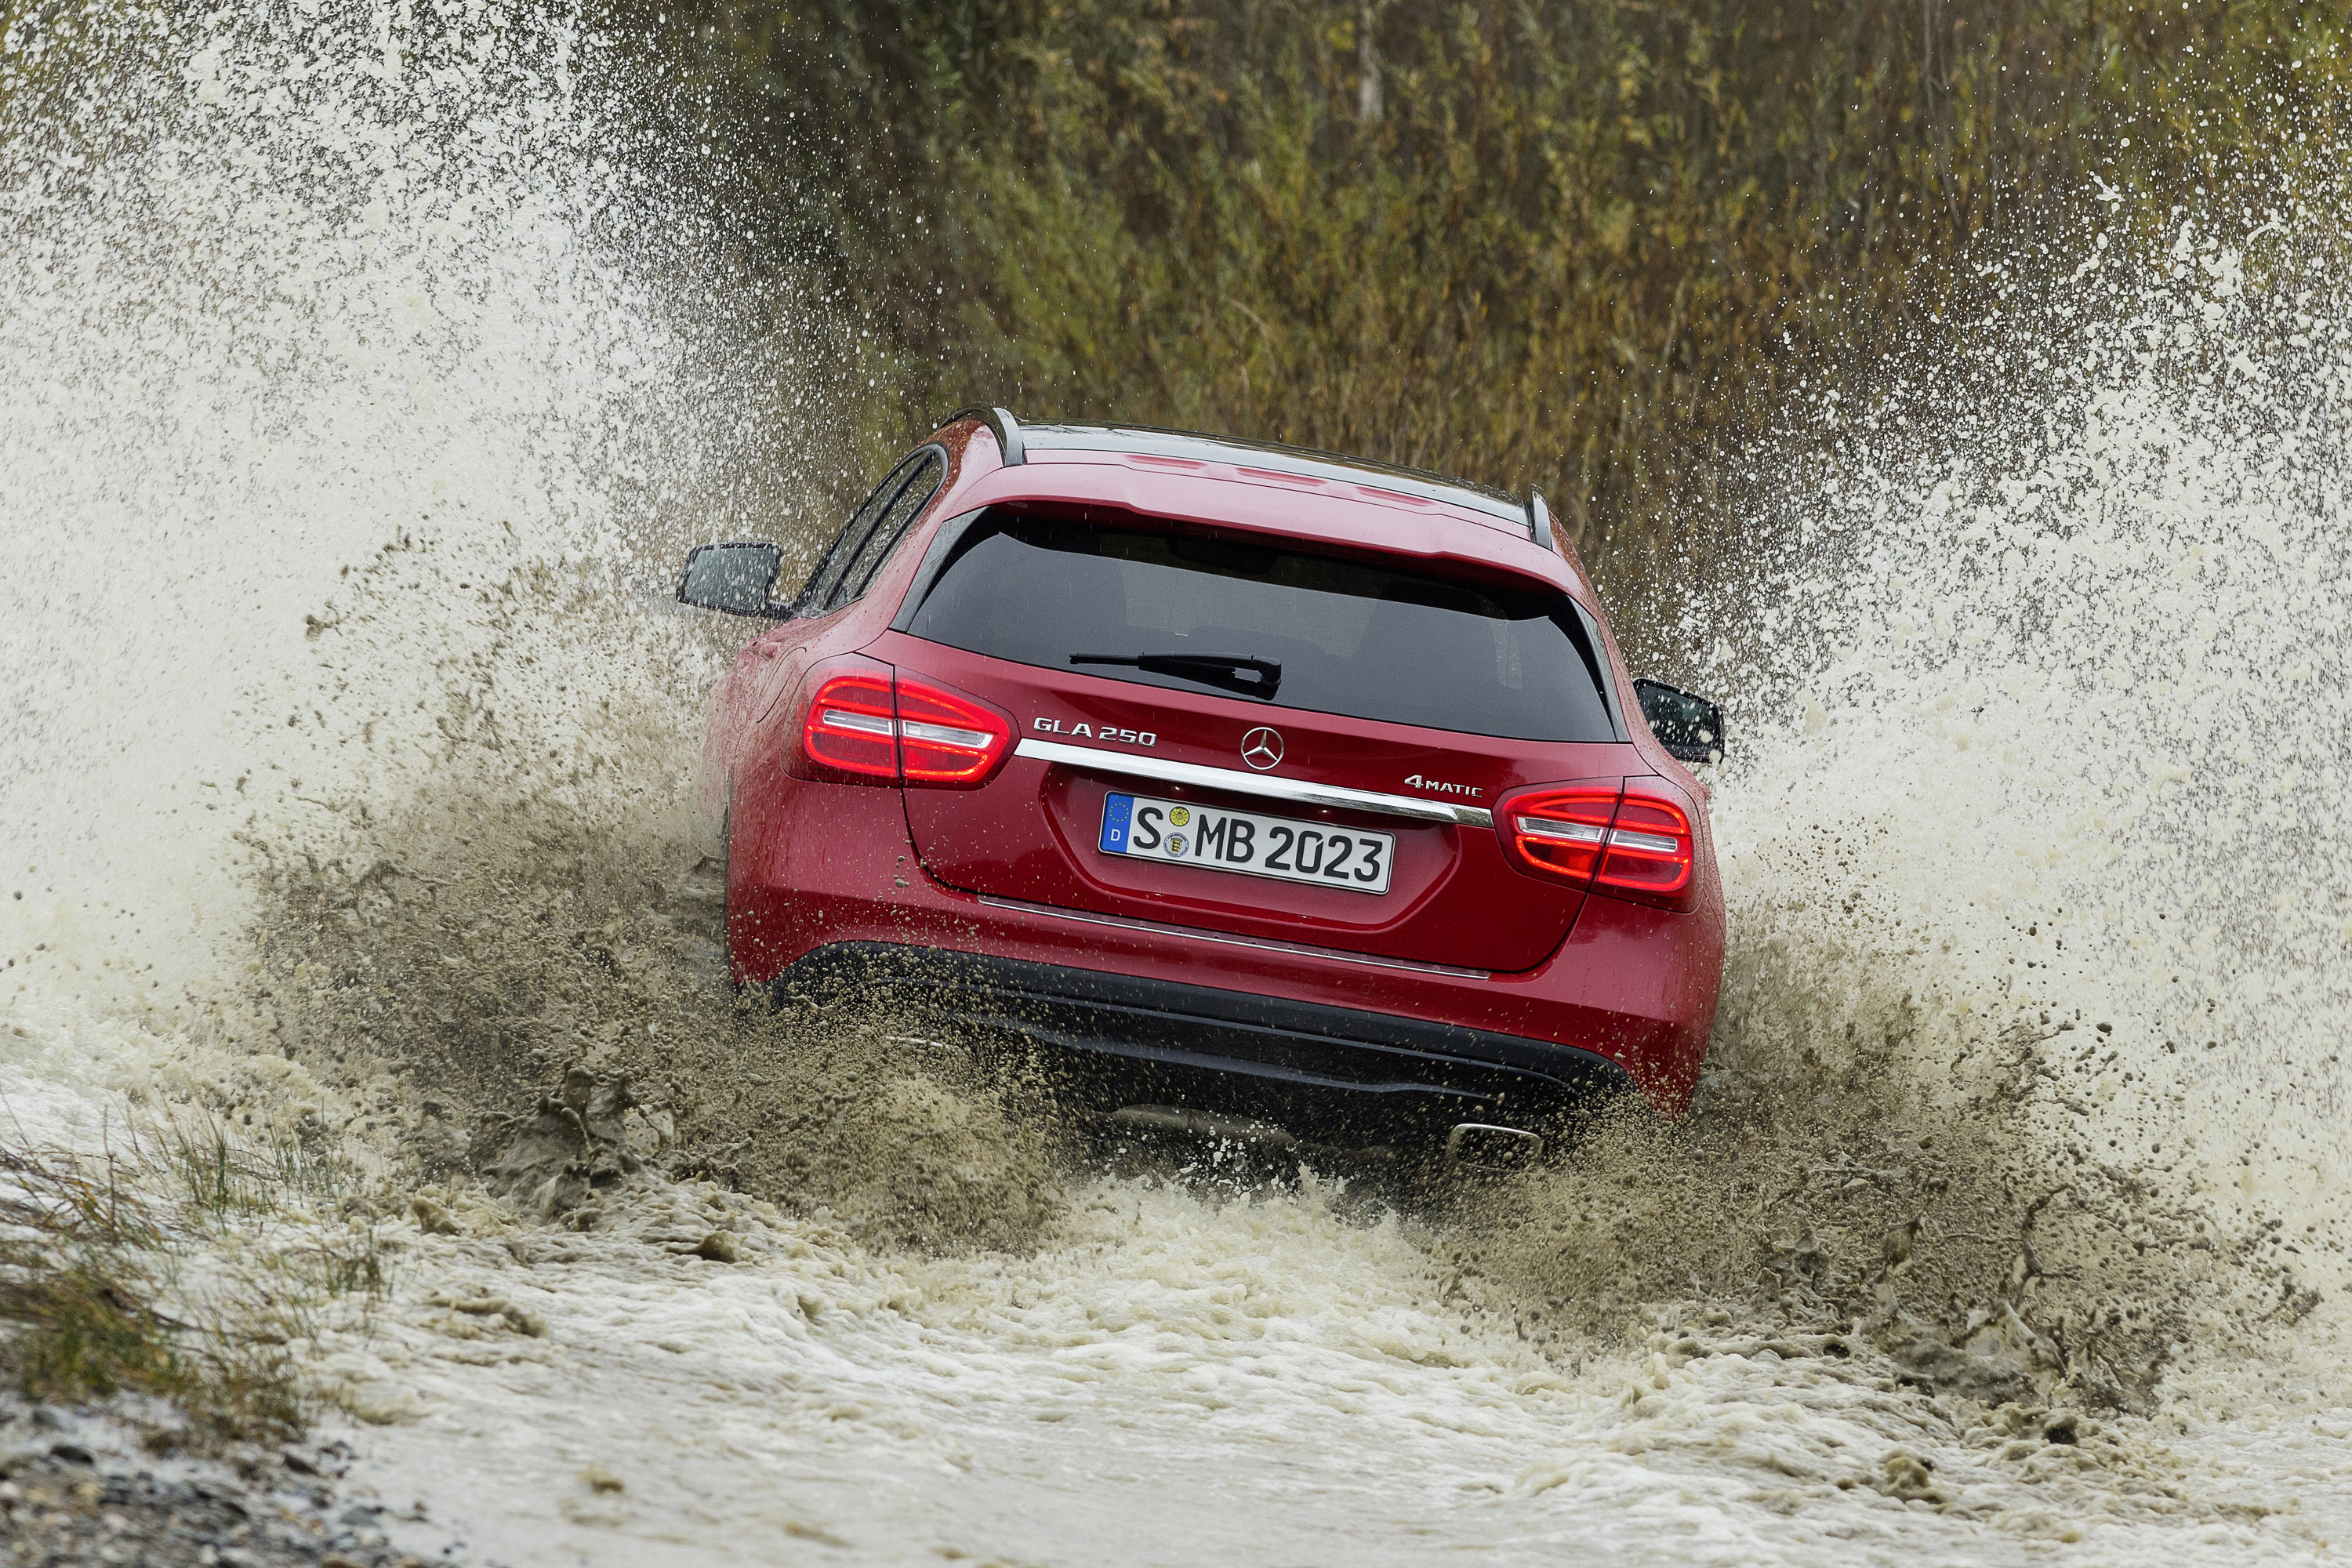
(1587, 245)
(1592, 246)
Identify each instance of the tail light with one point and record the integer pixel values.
(1630, 840)
(870, 724)
(946, 739)
(1652, 856)
(851, 726)
(1560, 832)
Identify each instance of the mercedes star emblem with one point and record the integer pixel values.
(1262, 748)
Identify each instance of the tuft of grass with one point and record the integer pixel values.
(85, 1332)
(225, 1180)
(87, 1253)
(229, 1184)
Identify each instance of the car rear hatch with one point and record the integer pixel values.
(1292, 747)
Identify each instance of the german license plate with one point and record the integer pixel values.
(1218, 840)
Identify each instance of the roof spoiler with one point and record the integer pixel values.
(1001, 422)
(1540, 530)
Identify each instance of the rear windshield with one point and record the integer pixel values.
(1349, 638)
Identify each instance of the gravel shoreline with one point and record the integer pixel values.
(75, 1490)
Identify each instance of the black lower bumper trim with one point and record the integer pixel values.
(1327, 1074)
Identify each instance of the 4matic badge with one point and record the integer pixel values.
(1473, 791)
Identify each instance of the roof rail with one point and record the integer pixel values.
(1539, 521)
(1006, 428)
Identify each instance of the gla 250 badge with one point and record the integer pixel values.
(1098, 732)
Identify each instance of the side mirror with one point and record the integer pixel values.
(735, 578)
(1688, 727)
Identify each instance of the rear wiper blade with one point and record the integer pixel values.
(1259, 677)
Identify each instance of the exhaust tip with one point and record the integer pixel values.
(1171, 1119)
(1481, 1147)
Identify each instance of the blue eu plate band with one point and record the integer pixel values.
(1117, 810)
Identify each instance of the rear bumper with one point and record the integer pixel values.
(814, 868)
(1327, 1074)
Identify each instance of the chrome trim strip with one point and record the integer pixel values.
(1266, 784)
(864, 723)
(1297, 949)
(1553, 829)
(971, 740)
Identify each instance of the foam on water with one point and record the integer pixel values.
(351, 374)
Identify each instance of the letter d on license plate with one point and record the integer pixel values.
(1215, 839)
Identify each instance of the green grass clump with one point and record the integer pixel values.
(87, 1254)
(85, 1333)
(85, 1330)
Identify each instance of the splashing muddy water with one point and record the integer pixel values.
(354, 388)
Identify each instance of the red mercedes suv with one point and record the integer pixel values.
(1253, 786)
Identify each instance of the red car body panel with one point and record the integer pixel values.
(1454, 899)
(1008, 870)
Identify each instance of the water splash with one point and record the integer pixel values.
(2038, 895)
(2064, 632)
(294, 295)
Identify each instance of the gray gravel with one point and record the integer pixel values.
(69, 1495)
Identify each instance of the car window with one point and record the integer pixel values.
(1352, 637)
(915, 493)
(816, 595)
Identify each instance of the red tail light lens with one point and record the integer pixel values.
(1651, 851)
(871, 726)
(850, 725)
(947, 739)
(1629, 841)
(1562, 831)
